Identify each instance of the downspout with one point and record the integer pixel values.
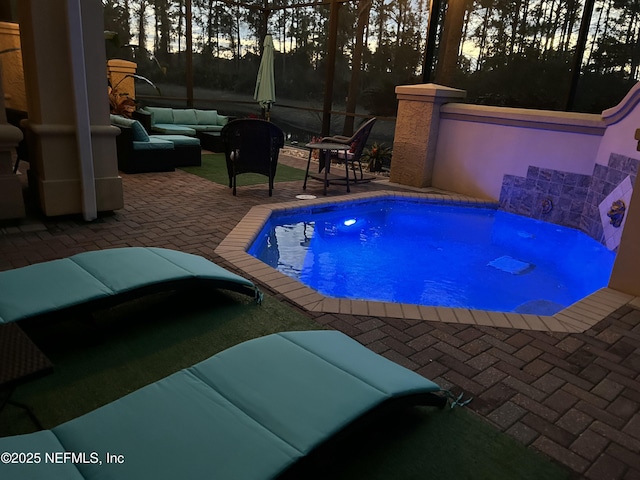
(83, 122)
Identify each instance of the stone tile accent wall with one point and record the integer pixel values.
(576, 200)
(528, 195)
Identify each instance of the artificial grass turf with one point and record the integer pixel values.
(136, 344)
(214, 169)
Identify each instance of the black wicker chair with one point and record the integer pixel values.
(251, 146)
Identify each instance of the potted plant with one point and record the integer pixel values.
(377, 157)
(121, 103)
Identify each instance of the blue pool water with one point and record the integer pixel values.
(410, 251)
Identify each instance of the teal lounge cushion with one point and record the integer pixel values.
(38, 288)
(185, 116)
(171, 129)
(306, 386)
(207, 117)
(177, 428)
(200, 267)
(32, 446)
(179, 139)
(294, 394)
(160, 114)
(49, 286)
(384, 375)
(122, 269)
(247, 413)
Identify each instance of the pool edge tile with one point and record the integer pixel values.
(576, 318)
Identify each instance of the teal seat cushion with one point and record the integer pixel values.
(177, 428)
(207, 128)
(160, 115)
(179, 139)
(38, 444)
(171, 129)
(153, 144)
(184, 116)
(38, 288)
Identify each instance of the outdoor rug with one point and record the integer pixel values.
(214, 169)
(101, 358)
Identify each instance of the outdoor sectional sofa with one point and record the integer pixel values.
(262, 409)
(206, 125)
(140, 152)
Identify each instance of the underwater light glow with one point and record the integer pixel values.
(351, 221)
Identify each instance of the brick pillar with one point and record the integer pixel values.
(416, 135)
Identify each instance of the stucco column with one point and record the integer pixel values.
(70, 171)
(416, 135)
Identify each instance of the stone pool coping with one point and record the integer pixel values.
(578, 317)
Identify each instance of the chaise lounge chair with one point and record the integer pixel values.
(255, 411)
(103, 278)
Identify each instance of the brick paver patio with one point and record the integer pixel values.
(574, 397)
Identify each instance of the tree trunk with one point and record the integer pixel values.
(142, 38)
(164, 26)
(450, 42)
(364, 7)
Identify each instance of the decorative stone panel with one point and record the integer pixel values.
(572, 199)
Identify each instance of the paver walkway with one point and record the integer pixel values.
(575, 397)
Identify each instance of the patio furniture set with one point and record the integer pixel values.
(265, 407)
(161, 139)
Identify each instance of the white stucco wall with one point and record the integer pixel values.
(478, 145)
(622, 122)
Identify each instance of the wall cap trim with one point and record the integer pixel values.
(586, 123)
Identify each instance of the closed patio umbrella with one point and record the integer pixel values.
(265, 92)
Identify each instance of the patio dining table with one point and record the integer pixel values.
(325, 163)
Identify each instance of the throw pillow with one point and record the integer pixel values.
(207, 117)
(184, 116)
(160, 114)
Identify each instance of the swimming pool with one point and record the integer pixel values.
(422, 253)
